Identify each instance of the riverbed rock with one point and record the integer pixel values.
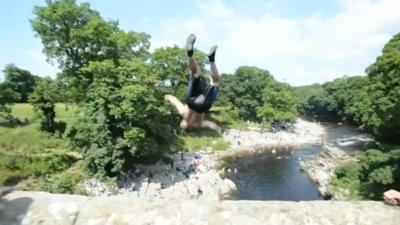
(193, 176)
(226, 188)
(322, 168)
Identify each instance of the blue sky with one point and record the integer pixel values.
(298, 41)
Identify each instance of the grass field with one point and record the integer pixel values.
(30, 155)
(198, 142)
(27, 138)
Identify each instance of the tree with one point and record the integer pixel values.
(7, 97)
(20, 80)
(384, 92)
(244, 90)
(170, 64)
(342, 99)
(125, 119)
(76, 35)
(312, 100)
(43, 100)
(279, 103)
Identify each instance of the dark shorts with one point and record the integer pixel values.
(200, 99)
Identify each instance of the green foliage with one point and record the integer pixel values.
(16, 167)
(374, 172)
(341, 98)
(33, 159)
(199, 142)
(170, 66)
(384, 92)
(20, 81)
(68, 181)
(7, 97)
(124, 119)
(26, 138)
(279, 103)
(371, 102)
(255, 94)
(43, 100)
(304, 93)
(227, 117)
(76, 35)
(243, 90)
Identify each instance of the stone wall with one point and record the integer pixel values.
(44, 208)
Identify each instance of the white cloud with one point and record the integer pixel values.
(316, 48)
(39, 66)
(31, 60)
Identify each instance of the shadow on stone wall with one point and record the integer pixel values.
(13, 211)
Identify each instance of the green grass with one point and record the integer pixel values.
(27, 138)
(15, 167)
(27, 153)
(67, 181)
(201, 141)
(25, 110)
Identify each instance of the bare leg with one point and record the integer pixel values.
(214, 73)
(177, 104)
(213, 67)
(211, 125)
(193, 66)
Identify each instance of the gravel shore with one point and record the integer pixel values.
(304, 133)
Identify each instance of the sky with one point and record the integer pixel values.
(299, 41)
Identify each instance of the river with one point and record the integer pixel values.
(260, 175)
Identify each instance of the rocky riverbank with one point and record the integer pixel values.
(304, 133)
(322, 168)
(185, 176)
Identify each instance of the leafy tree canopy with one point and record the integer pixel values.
(7, 97)
(75, 35)
(20, 80)
(244, 90)
(279, 103)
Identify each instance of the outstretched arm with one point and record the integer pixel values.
(211, 125)
(176, 103)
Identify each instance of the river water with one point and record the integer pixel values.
(261, 175)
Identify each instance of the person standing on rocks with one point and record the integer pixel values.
(199, 100)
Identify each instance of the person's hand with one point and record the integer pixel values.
(392, 197)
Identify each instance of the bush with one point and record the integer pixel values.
(43, 99)
(375, 172)
(67, 182)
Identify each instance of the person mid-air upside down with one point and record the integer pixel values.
(199, 100)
